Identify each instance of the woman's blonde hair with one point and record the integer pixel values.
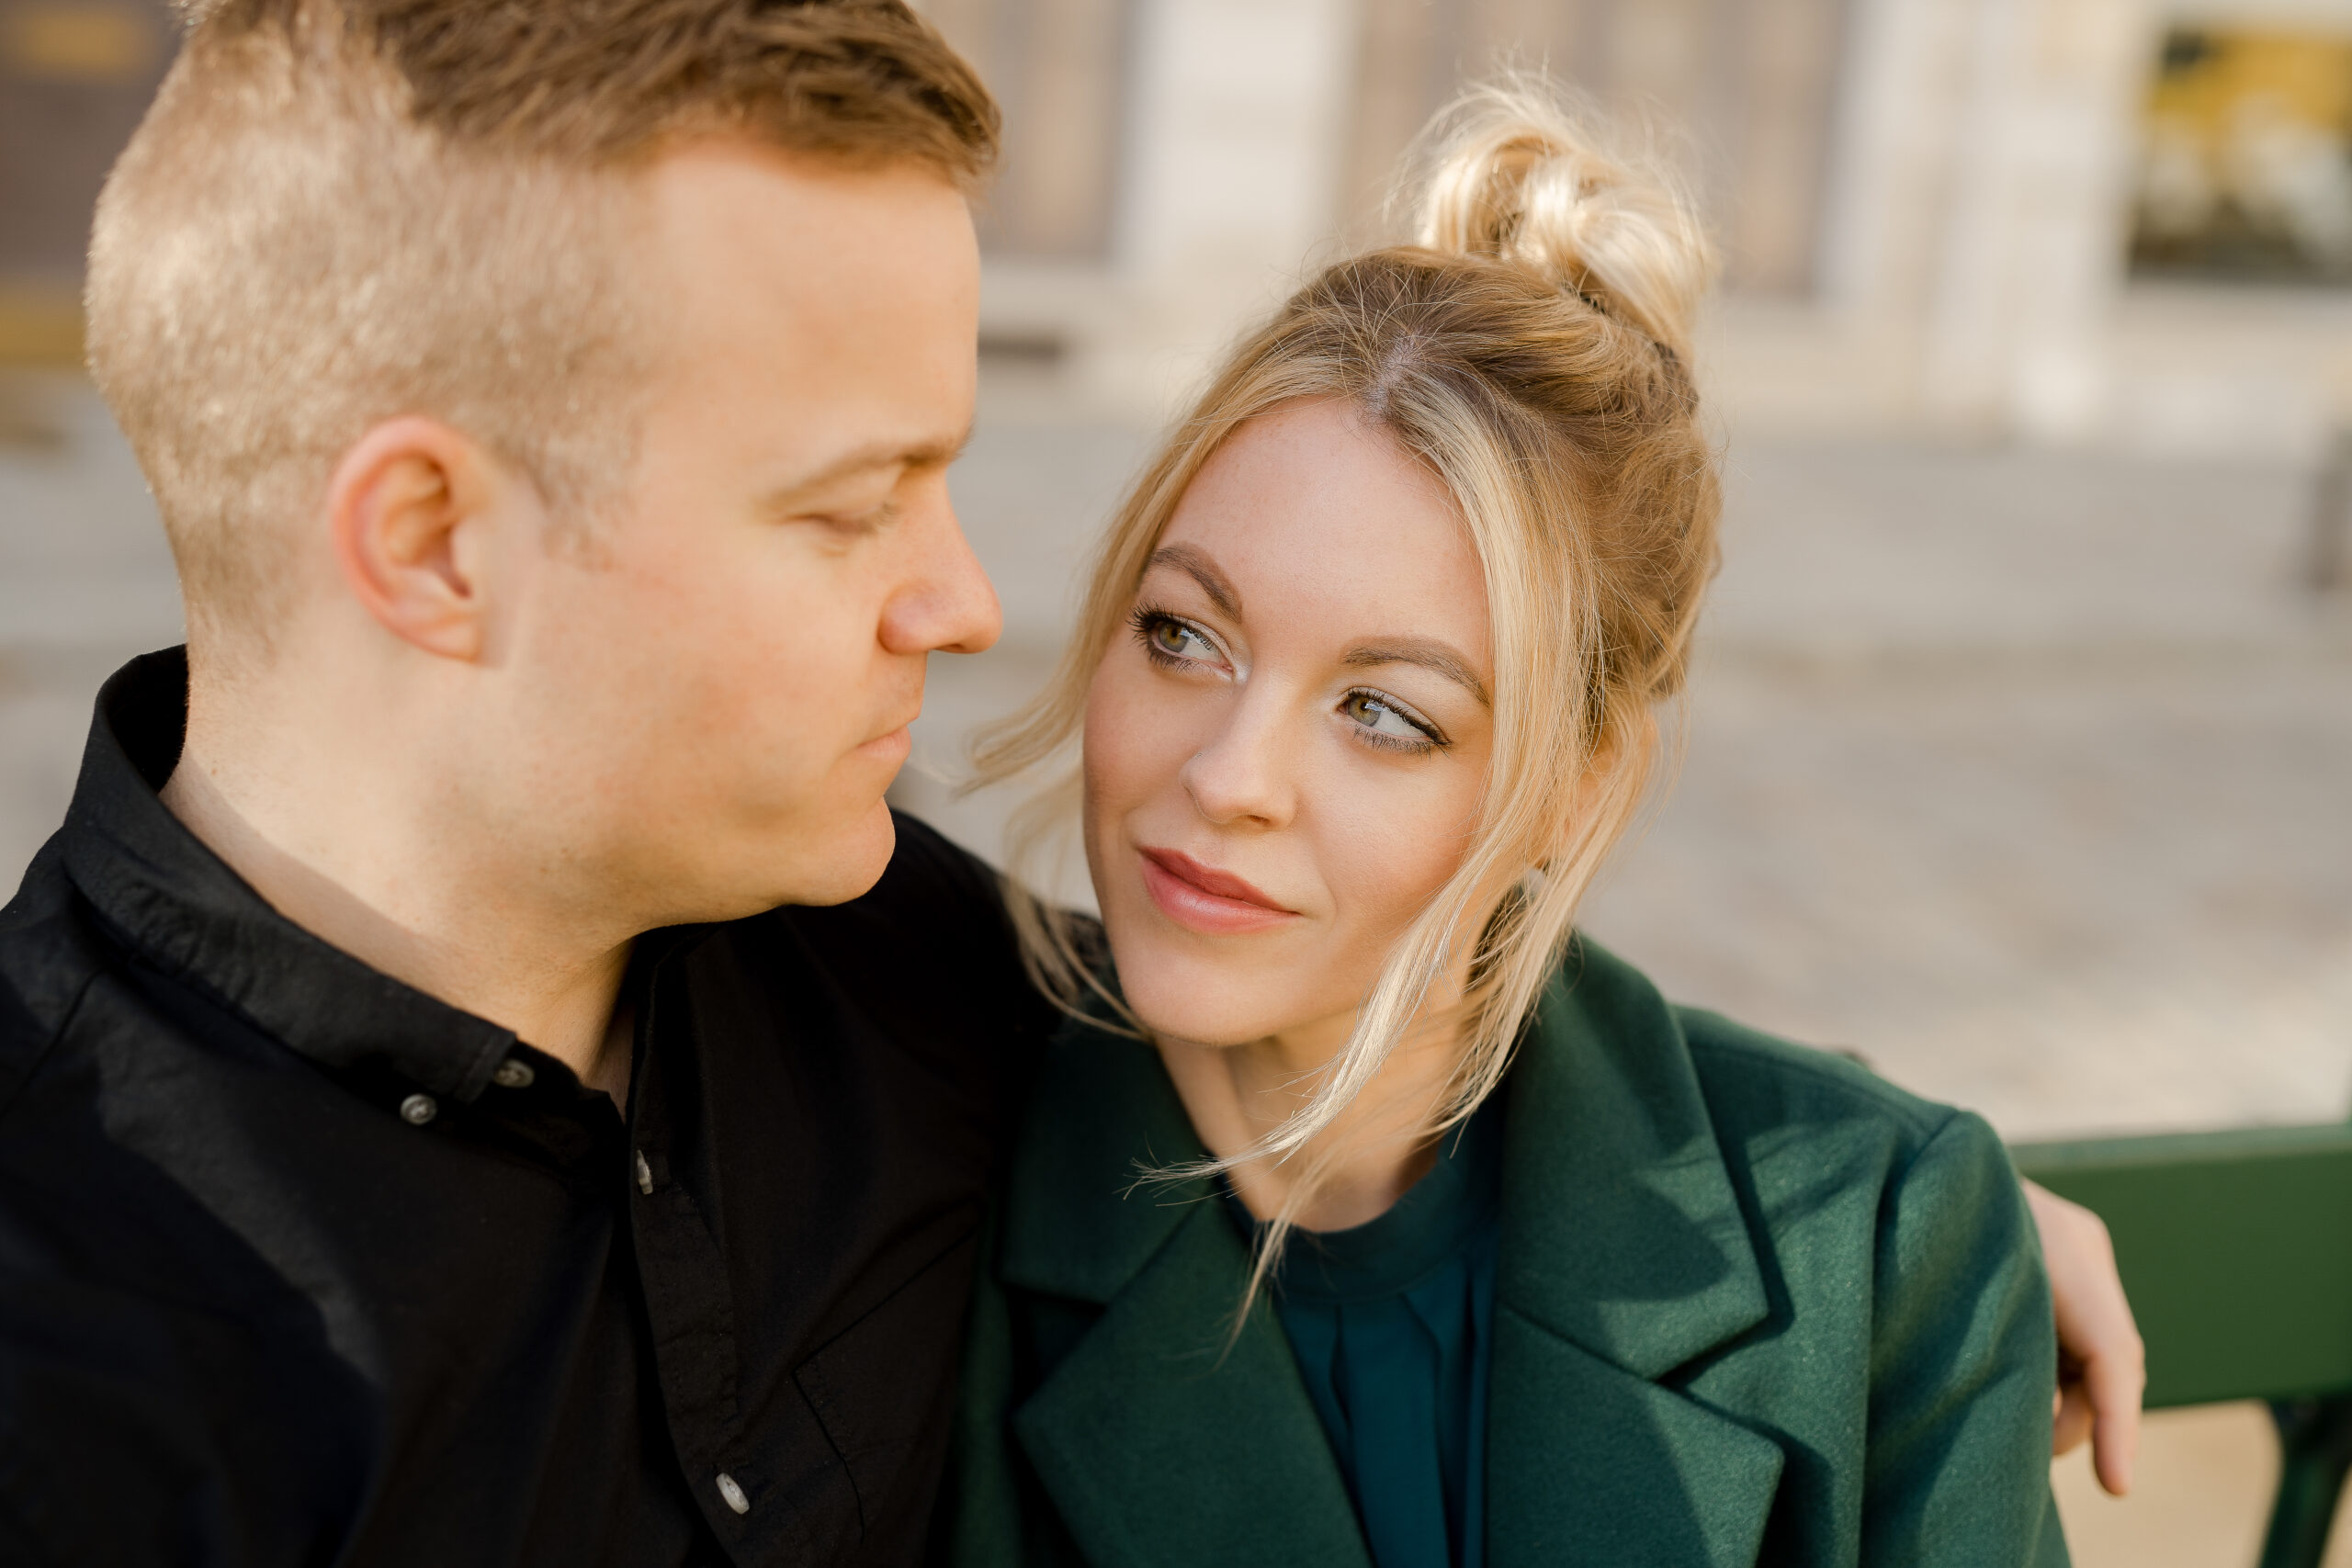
(1533, 349)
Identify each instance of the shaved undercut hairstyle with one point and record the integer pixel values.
(339, 211)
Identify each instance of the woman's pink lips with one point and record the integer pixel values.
(1202, 898)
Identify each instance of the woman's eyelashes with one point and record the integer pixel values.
(1381, 720)
(1174, 643)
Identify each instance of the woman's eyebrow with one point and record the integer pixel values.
(1426, 652)
(1196, 565)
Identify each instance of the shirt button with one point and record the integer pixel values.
(645, 1185)
(512, 1074)
(732, 1494)
(418, 1109)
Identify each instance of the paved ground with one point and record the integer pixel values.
(2201, 1498)
(2024, 774)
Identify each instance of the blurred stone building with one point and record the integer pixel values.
(2107, 222)
(2125, 222)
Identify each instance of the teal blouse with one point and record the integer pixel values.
(1390, 1322)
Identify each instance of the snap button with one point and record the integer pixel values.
(512, 1074)
(732, 1494)
(418, 1109)
(645, 1185)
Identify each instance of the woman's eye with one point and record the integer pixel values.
(1173, 636)
(1173, 641)
(1383, 720)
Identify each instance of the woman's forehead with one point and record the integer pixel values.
(1313, 514)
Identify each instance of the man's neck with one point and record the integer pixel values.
(418, 908)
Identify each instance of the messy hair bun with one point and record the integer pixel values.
(1513, 175)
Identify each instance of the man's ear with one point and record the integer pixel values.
(411, 508)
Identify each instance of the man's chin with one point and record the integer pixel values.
(847, 862)
(799, 863)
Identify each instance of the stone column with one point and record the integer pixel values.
(1232, 180)
(1977, 229)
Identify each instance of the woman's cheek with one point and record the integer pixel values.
(1116, 749)
(1142, 728)
(1394, 842)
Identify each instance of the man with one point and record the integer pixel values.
(549, 408)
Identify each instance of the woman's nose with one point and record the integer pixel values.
(1241, 776)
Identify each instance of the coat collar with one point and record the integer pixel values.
(1626, 1255)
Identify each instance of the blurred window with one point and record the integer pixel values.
(2245, 167)
(1744, 89)
(76, 76)
(1059, 70)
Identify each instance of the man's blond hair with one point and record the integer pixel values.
(338, 211)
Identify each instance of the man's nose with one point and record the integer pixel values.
(1242, 776)
(946, 603)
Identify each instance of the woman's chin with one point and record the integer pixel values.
(1233, 993)
(1181, 1019)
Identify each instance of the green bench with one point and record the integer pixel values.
(2237, 1250)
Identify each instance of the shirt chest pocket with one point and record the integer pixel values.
(884, 1390)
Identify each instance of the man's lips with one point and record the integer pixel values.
(895, 739)
(1202, 898)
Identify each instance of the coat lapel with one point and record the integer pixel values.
(1161, 1444)
(1587, 1464)
(1626, 1255)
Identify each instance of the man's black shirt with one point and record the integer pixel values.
(299, 1265)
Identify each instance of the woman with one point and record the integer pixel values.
(1458, 1244)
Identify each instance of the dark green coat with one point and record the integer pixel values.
(1754, 1305)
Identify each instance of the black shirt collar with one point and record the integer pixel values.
(180, 909)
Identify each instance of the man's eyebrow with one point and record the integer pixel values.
(1426, 652)
(1196, 565)
(934, 454)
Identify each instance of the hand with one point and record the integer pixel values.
(2102, 1365)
